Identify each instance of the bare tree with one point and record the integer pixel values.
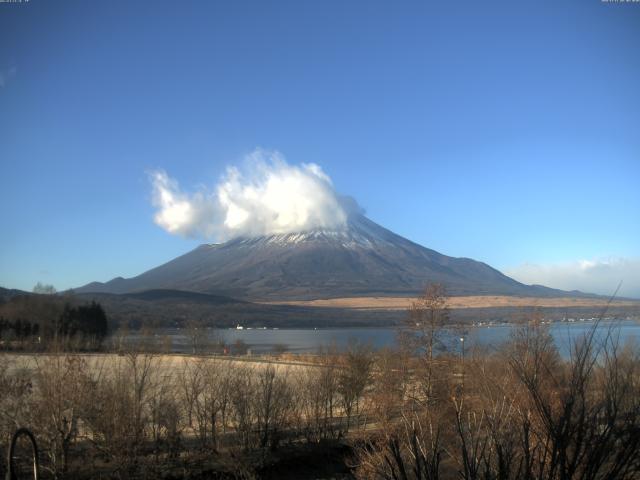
(191, 384)
(44, 289)
(413, 450)
(354, 377)
(586, 415)
(119, 410)
(166, 419)
(241, 393)
(196, 334)
(217, 380)
(389, 383)
(316, 398)
(428, 317)
(325, 383)
(206, 388)
(272, 403)
(62, 383)
(16, 391)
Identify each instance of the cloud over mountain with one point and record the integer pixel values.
(266, 196)
(598, 276)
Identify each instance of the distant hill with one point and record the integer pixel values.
(174, 296)
(175, 308)
(8, 293)
(362, 259)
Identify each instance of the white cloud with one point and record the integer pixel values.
(266, 196)
(601, 275)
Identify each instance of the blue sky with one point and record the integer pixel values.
(508, 132)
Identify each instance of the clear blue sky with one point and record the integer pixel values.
(508, 132)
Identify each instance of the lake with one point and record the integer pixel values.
(310, 340)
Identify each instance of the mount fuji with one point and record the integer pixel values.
(360, 259)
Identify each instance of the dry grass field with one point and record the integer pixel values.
(168, 364)
(489, 301)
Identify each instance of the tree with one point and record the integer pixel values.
(89, 321)
(96, 320)
(196, 334)
(389, 383)
(272, 400)
(317, 392)
(354, 377)
(428, 317)
(241, 394)
(44, 289)
(63, 382)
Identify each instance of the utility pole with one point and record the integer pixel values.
(462, 356)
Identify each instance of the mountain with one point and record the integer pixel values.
(361, 259)
(7, 294)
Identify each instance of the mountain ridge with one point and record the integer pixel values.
(361, 259)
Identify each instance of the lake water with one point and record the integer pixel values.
(310, 340)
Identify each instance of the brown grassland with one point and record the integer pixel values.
(484, 301)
